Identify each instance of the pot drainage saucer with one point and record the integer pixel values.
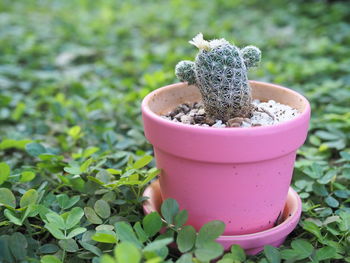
(251, 243)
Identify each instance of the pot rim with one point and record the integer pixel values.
(241, 130)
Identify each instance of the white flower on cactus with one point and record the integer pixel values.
(217, 42)
(199, 42)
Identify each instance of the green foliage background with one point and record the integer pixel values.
(72, 75)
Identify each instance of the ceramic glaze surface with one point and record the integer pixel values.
(220, 186)
(238, 175)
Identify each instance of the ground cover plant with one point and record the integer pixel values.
(73, 158)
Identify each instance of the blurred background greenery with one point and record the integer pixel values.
(97, 59)
(88, 64)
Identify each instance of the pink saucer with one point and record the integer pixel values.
(252, 243)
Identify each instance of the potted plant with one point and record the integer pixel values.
(239, 175)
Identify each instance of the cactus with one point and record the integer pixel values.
(184, 70)
(220, 73)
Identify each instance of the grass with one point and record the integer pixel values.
(72, 76)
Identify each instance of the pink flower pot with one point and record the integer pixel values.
(240, 176)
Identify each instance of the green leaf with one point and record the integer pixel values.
(90, 151)
(104, 177)
(62, 200)
(114, 171)
(319, 189)
(74, 132)
(56, 220)
(104, 238)
(344, 224)
(92, 216)
(102, 208)
(69, 245)
(27, 176)
(7, 198)
(9, 143)
(93, 249)
(129, 173)
(18, 245)
(169, 209)
(76, 231)
(327, 177)
(86, 165)
(72, 170)
(209, 232)
(303, 247)
(72, 201)
(151, 174)
(342, 193)
(152, 224)
(18, 112)
(4, 172)
(237, 253)
(29, 211)
(35, 149)
(312, 228)
(316, 171)
(50, 157)
(142, 162)
(290, 254)
(126, 234)
(227, 260)
(272, 254)
(127, 252)
(50, 259)
(78, 183)
(66, 202)
(331, 201)
(325, 253)
(74, 217)
(345, 155)
(186, 238)
(55, 231)
(29, 198)
(181, 218)
(12, 217)
(105, 227)
(327, 135)
(209, 251)
(185, 258)
(48, 249)
(141, 234)
(107, 259)
(158, 244)
(95, 180)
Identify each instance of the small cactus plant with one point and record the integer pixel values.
(220, 73)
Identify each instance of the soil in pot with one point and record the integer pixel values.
(265, 113)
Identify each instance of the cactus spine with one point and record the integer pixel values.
(220, 73)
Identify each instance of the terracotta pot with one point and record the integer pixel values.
(240, 176)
